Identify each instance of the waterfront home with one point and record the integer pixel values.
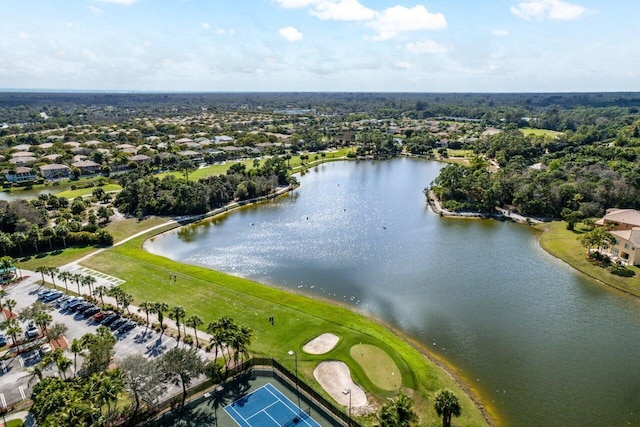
(624, 226)
(20, 174)
(54, 171)
(87, 167)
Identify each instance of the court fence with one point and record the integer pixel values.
(265, 367)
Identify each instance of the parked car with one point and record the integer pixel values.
(31, 332)
(126, 327)
(3, 341)
(60, 301)
(46, 292)
(79, 307)
(75, 304)
(115, 325)
(52, 296)
(110, 319)
(46, 348)
(73, 300)
(99, 317)
(85, 307)
(90, 311)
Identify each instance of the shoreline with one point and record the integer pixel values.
(436, 360)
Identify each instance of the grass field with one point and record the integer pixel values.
(298, 319)
(564, 244)
(72, 194)
(540, 132)
(459, 153)
(378, 366)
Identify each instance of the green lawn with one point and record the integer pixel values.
(378, 366)
(72, 194)
(298, 319)
(540, 132)
(459, 153)
(564, 244)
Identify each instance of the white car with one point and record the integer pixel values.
(31, 332)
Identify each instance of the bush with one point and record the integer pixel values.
(619, 270)
(188, 339)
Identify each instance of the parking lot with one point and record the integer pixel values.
(16, 378)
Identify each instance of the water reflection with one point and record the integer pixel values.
(542, 344)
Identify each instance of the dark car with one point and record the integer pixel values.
(74, 305)
(86, 307)
(79, 307)
(110, 319)
(3, 341)
(127, 327)
(91, 311)
(115, 325)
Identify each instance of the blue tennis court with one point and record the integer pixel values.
(267, 406)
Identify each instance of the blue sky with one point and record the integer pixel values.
(321, 45)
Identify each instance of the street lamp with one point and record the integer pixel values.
(293, 353)
(345, 392)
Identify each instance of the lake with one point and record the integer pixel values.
(539, 343)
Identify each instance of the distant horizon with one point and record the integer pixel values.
(132, 91)
(327, 46)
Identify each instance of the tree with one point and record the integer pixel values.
(88, 280)
(181, 366)
(77, 347)
(104, 213)
(42, 269)
(186, 166)
(146, 307)
(42, 319)
(57, 357)
(108, 386)
(176, 313)
(12, 327)
(52, 271)
(100, 346)
(56, 330)
(65, 276)
(447, 405)
(160, 308)
(3, 294)
(10, 304)
(7, 262)
(100, 292)
(193, 322)
(77, 279)
(143, 379)
(49, 233)
(398, 412)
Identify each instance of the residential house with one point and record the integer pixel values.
(54, 171)
(87, 167)
(624, 226)
(20, 174)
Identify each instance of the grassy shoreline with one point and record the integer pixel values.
(564, 245)
(298, 319)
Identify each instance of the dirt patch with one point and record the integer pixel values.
(335, 377)
(321, 344)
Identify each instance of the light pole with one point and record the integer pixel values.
(293, 353)
(345, 392)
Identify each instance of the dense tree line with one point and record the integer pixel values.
(587, 171)
(145, 194)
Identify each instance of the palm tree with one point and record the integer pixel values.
(56, 330)
(3, 294)
(77, 346)
(49, 233)
(146, 307)
(35, 374)
(446, 404)
(35, 234)
(42, 269)
(52, 271)
(13, 328)
(77, 279)
(398, 412)
(193, 322)
(7, 262)
(100, 292)
(160, 308)
(65, 276)
(62, 231)
(58, 358)
(42, 319)
(19, 237)
(5, 241)
(109, 386)
(10, 304)
(125, 300)
(88, 280)
(177, 313)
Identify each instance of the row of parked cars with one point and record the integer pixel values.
(86, 309)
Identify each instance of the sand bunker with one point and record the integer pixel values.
(321, 344)
(335, 377)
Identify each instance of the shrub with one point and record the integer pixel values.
(619, 270)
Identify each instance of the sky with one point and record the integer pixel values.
(321, 45)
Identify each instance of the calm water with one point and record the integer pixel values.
(542, 345)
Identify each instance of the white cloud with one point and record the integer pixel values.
(147, 44)
(500, 33)
(221, 31)
(290, 33)
(548, 9)
(95, 10)
(393, 20)
(427, 46)
(343, 10)
(231, 31)
(125, 2)
(205, 26)
(24, 35)
(402, 65)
